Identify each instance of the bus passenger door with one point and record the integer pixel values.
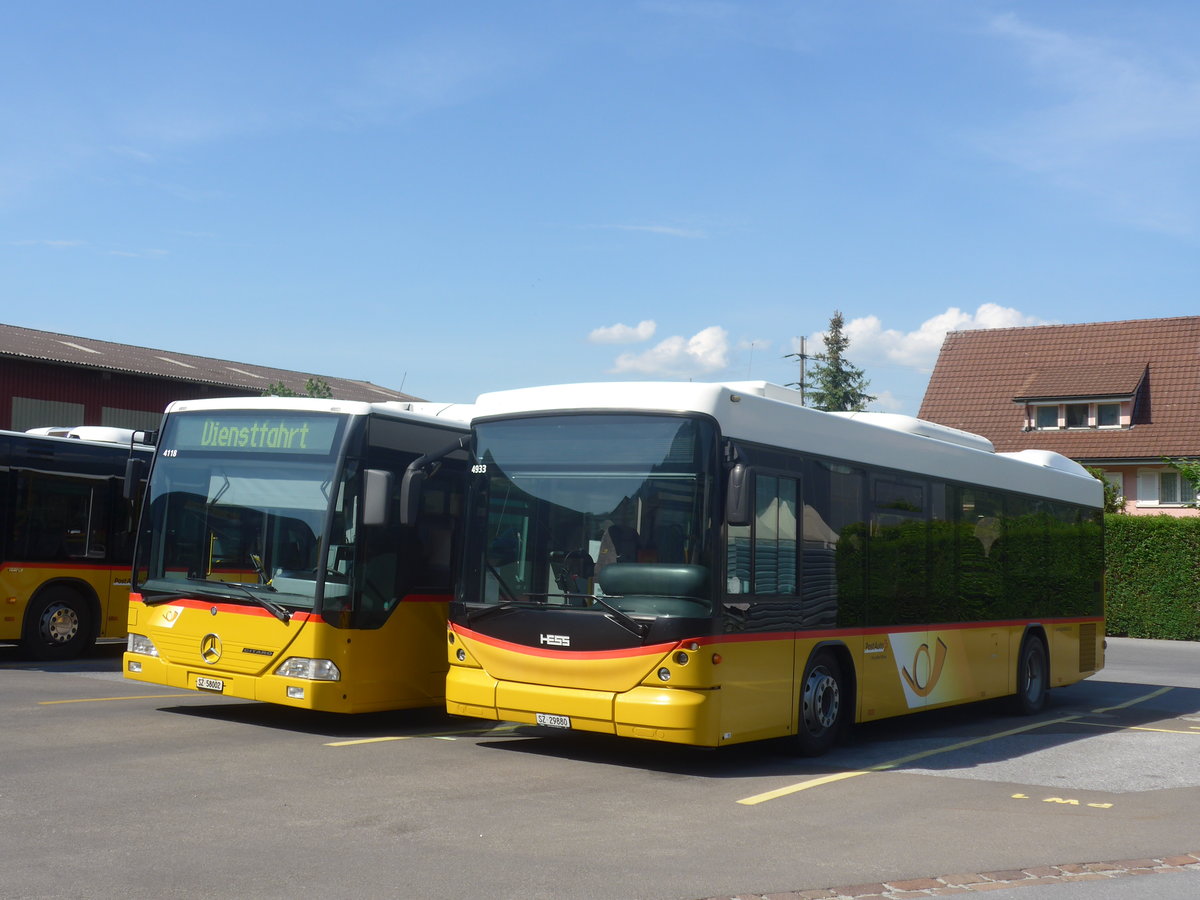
(762, 601)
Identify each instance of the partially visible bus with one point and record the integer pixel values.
(271, 563)
(66, 537)
(713, 563)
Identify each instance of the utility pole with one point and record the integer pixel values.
(803, 357)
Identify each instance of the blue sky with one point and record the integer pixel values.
(460, 197)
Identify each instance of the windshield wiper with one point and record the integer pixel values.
(504, 605)
(504, 587)
(623, 619)
(281, 613)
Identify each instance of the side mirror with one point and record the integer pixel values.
(738, 495)
(413, 483)
(135, 472)
(377, 496)
(411, 489)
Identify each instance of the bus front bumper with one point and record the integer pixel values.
(675, 715)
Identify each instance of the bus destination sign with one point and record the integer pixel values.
(266, 433)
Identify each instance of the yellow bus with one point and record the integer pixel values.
(66, 537)
(709, 564)
(271, 561)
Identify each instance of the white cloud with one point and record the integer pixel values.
(871, 343)
(704, 352)
(665, 230)
(624, 334)
(1122, 125)
(49, 243)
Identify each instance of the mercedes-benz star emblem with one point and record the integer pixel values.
(210, 648)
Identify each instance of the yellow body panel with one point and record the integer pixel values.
(108, 585)
(729, 690)
(397, 666)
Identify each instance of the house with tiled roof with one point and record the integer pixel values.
(1118, 396)
(51, 379)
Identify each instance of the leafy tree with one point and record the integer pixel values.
(1114, 503)
(314, 387)
(833, 384)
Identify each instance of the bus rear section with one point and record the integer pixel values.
(66, 538)
(705, 564)
(272, 565)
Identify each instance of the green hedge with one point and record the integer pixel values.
(1153, 586)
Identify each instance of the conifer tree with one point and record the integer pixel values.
(833, 384)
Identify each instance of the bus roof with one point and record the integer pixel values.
(451, 414)
(764, 413)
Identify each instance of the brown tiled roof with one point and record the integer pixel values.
(1079, 382)
(47, 346)
(979, 375)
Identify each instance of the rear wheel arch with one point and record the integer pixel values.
(1031, 674)
(827, 698)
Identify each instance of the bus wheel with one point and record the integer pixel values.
(57, 626)
(821, 710)
(1033, 677)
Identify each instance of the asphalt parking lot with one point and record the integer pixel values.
(108, 789)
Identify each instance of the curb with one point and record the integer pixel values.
(946, 885)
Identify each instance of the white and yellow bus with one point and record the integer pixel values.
(66, 537)
(710, 564)
(272, 564)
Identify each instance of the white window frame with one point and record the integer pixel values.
(1038, 426)
(1150, 489)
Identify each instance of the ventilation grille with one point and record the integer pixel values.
(1087, 647)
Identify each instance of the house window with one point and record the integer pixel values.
(1173, 488)
(1108, 415)
(1077, 415)
(1047, 417)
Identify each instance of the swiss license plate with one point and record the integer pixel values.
(209, 684)
(553, 721)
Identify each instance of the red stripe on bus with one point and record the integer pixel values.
(91, 567)
(753, 637)
(238, 609)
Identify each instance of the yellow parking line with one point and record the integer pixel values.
(378, 740)
(880, 767)
(1141, 728)
(439, 736)
(1135, 701)
(108, 699)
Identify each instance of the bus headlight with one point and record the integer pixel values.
(139, 643)
(309, 669)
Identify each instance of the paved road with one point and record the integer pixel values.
(108, 789)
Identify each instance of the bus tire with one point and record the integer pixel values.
(58, 625)
(822, 704)
(1033, 677)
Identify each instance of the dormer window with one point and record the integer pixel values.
(1075, 398)
(1055, 416)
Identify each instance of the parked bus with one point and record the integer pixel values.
(709, 564)
(66, 537)
(271, 564)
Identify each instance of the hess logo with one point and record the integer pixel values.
(555, 640)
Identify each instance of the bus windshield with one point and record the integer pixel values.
(238, 504)
(605, 511)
